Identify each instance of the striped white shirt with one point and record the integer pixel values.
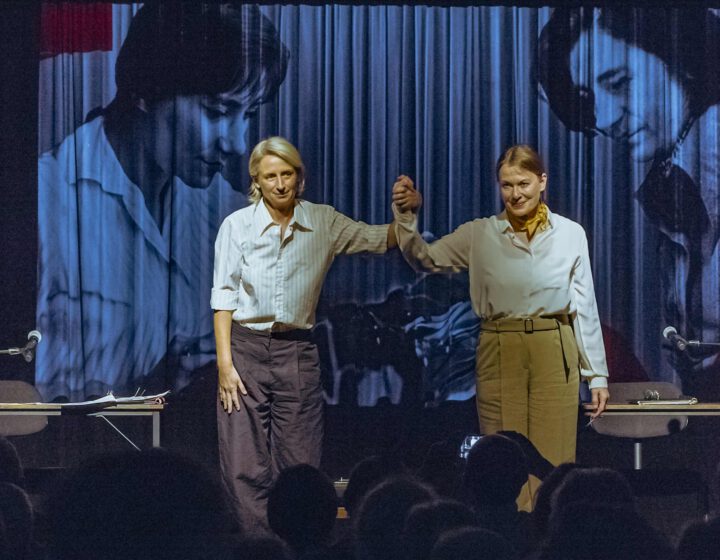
(273, 283)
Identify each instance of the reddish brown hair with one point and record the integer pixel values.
(522, 156)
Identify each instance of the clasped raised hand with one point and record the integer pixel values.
(405, 196)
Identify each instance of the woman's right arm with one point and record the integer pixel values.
(226, 282)
(229, 382)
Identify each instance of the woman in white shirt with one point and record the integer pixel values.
(531, 285)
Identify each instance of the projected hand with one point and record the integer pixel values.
(405, 196)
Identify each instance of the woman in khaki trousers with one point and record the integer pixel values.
(531, 285)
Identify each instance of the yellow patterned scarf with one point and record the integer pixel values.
(537, 221)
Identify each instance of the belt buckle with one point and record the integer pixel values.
(528, 321)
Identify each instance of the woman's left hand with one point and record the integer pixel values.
(600, 398)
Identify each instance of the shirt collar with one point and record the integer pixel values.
(262, 220)
(302, 216)
(503, 224)
(100, 165)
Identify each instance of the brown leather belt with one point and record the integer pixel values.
(527, 324)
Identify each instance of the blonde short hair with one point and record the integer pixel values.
(279, 147)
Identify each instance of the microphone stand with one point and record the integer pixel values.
(701, 344)
(27, 352)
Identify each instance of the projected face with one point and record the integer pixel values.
(637, 100)
(198, 134)
(277, 180)
(520, 190)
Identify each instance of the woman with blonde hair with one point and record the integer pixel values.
(531, 285)
(271, 259)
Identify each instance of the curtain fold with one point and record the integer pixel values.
(371, 92)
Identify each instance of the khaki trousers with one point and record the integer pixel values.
(527, 376)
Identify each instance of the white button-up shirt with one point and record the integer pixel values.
(274, 283)
(116, 292)
(509, 277)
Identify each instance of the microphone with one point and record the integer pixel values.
(34, 338)
(671, 334)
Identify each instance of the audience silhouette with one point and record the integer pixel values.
(366, 474)
(158, 505)
(17, 518)
(543, 499)
(442, 468)
(597, 531)
(472, 544)
(381, 517)
(11, 469)
(143, 505)
(608, 487)
(302, 506)
(494, 475)
(700, 540)
(427, 521)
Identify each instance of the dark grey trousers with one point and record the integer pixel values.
(280, 421)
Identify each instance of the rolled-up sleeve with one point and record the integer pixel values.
(588, 332)
(351, 237)
(226, 272)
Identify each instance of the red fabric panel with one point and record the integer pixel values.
(67, 27)
(623, 365)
